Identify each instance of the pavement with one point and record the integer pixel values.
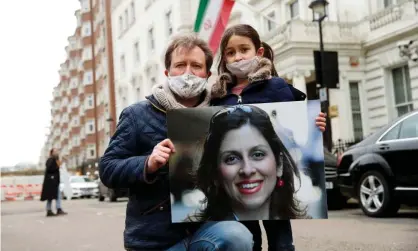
(93, 225)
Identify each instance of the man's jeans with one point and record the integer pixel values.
(57, 203)
(219, 236)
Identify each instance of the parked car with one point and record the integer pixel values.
(335, 199)
(112, 194)
(382, 170)
(81, 186)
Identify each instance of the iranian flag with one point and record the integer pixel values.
(212, 18)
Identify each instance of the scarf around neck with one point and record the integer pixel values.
(166, 98)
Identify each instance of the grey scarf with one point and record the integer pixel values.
(166, 98)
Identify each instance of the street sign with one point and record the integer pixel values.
(323, 94)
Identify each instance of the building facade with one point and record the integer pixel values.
(83, 107)
(376, 83)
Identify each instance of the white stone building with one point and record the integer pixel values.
(379, 88)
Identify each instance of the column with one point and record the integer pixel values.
(298, 78)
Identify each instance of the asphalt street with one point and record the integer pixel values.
(92, 225)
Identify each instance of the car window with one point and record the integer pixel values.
(409, 128)
(392, 133)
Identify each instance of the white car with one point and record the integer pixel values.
(81, 186)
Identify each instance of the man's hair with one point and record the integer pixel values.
(51, 151)
(188, 42)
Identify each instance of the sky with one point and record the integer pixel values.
(32, 47)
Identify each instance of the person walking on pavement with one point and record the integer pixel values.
(50, 187)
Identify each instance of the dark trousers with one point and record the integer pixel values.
(279, 234)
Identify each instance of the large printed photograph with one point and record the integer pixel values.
(247, 162)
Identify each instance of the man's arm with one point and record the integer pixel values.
(119, 166)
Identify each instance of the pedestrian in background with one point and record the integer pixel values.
(50, 187)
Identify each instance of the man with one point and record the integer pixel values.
(138, 154)
(50, 187)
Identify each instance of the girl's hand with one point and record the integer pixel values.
(321, 121)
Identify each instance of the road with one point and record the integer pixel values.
(92, 225)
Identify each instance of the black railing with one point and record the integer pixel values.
(341, 145)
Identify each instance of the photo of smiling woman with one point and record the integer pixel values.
(246, 162)
(245, 171)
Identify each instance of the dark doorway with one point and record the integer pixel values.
(311, 91)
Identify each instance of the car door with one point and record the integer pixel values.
(399, 147)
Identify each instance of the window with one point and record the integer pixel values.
(169, 23)
(294, 9)
(132, 11)
(87, 54)
(90, 127)
(153, 81)
(88, 78)
(138, 93)
(120, 25)
(86, 31)
(151, 38)
(402, 90)
(73, 83)
(136, 52)
(270, 24)
(85, 5)
(392, 134)
(122, 64)
(91, 151)
(409, 128)
(356, 110)
(387, 3)
(126, 19)
(90, 101)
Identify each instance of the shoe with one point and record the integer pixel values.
(60, 212)
(50, 213)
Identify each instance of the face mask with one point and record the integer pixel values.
(187, 85)
(242, 68)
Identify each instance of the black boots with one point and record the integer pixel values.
(49, 213)
(60, 212)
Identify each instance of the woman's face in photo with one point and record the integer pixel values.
(247, 167)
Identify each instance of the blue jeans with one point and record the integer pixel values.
(219, 236)
(57, 203)
(279, 234)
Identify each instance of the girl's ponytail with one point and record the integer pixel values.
(269, 53)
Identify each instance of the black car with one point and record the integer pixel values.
(112, 194)
(382, 170)
(335, 199)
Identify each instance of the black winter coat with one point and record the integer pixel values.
(51, 183)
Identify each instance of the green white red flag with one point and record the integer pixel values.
(211, 20)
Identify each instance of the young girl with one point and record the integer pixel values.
(247, 75)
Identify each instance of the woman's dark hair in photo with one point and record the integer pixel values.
(283, 205)
(244, 30)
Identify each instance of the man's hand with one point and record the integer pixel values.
(160, 155)
(321, 121)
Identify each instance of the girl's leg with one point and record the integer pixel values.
(255, 229)
(279, 235)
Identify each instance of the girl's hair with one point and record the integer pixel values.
(283, 203)
(244, 30)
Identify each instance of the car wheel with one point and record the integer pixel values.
(112, 195)
(375, 195)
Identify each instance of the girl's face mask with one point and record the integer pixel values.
(187, 85)
(242, 68)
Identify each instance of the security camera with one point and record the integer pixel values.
(404, 44)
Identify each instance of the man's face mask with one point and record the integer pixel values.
(187, 85)
(242, 68)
